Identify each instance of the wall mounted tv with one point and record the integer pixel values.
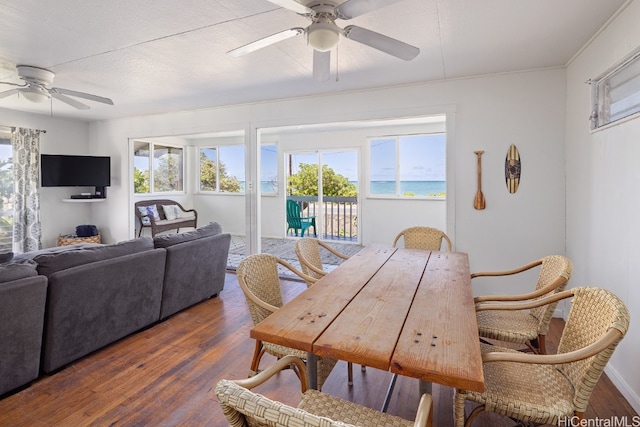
(76, 171)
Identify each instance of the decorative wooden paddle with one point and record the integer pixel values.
(479, 202)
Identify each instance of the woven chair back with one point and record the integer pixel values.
(593, 312)
(555, 272)
(425, 238)
(259, 273)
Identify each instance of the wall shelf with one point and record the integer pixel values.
(83, 200)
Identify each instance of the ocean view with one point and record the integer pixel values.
(417, 188)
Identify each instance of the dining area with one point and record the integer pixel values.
(408, 309)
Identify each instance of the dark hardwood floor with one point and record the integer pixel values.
(165, 376)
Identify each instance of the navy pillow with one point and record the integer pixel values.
(86, 230)
(6, 257)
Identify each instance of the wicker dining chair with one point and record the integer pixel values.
(308, 252)
(243, 407)
(526, 327)
(259, 280)
(551, 389)
(426, 238)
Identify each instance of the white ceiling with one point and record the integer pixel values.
(154, 56)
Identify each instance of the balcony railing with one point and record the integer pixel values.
(339, 216)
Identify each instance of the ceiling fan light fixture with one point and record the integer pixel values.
(323, 36)
(35, 94)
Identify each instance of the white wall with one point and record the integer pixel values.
(603, 184)
(490, 113)
(62, 137)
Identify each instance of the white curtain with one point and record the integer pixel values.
(27, 230)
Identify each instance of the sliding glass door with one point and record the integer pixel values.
(324, 184)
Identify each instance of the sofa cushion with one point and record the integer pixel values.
(52, 262)
(53, 250)
(166, 240)
(17, 270)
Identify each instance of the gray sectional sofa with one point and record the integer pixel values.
(22, 301)
(97, 294)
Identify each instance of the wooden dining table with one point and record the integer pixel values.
(406, 311)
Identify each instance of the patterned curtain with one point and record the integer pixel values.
(27, 231)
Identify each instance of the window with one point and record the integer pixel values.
(157, 168)
(269, 168)
(408, 166)
(6, 193)
(616, 94)
(222, 169)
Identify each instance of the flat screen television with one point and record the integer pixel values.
(76, 171)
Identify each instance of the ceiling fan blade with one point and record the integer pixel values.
(381, 42)
(353, 8)
(294, 6)
(75, 104)
(83, 95)
(9, 92)
(321, 65)
(13, 84)
(264, 42)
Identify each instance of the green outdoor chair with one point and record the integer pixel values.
(296, 221)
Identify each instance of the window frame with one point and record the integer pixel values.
(5, 139)
(277, 169)
(398, 195)
(600, 117)
(152, 168)
(218, 147)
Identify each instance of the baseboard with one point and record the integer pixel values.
(622, 386)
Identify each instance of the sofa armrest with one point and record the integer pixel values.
(22, 305)
(195, 270)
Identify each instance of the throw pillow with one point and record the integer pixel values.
(171, 212)
(86, 230)
(147, 211)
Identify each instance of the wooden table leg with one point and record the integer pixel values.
(312, 370)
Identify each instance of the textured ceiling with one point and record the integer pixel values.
(154, 56)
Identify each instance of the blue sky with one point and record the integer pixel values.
(421, 158)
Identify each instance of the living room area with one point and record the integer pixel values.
(574, 199)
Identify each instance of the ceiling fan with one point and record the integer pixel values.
(323, 34)
(37, 88)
